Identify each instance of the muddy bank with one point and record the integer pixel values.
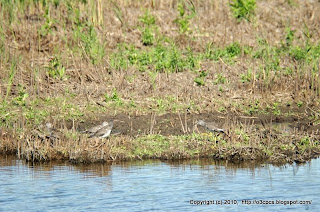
(173, 124)
(172, 137)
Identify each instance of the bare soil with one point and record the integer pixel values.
(180, 124)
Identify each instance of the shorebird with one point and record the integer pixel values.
(103, 132)
(53, 133)
(94, 129)
(210, 126)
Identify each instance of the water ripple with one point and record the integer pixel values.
(156, 185)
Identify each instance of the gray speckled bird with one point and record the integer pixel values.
(210, 126)
(52, 132)
(94, 129)
(103, 132)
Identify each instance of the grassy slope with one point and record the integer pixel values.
(66, 61)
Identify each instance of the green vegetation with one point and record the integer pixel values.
(114, 97)
(147, 36)
(220, 79)
(200, 80)
(187, 11)
(161, 58)
(243, 9)
(56, 69)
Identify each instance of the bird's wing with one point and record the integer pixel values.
(95, 128)
(100, 132)
(212, 127)
(56, 134)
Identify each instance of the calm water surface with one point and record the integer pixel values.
(159, 186)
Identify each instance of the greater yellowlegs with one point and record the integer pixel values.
(94, 129)
(210, 126)
(103, 132)
(52, 132)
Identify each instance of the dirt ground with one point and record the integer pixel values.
(179, 124)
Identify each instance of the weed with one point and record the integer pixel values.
(71, 112)
(222, 109)
(160, 105)
(132, 104)
(20, 100)
(192, 61)
(247, 77)
(12, 73)
(183, 21)
(287, 71)
(118, 60)
(9, 8)
(243, 9)
(200, 79)
(288, 38)
(275, 109)
(299, 103)
(56, 69)
(89, 42)
(147, 19)
(2, 43)
(220, 79)
(292, 2)
(228, 53)
(175, 61)
(114, 97)
(247, 50)
(35, 116)
(153, 77)
(147, 35)
(233, 50)
(46, 28)
(305, 141)
(159, 58)
(243, 135)
(253, 108)
(298, 53)
(264, 49)
(118, 12)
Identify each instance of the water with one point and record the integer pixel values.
(157, 185)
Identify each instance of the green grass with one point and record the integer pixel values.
(114, 98)
(56, 69)
(165, 57)
(91, 46)
(148, 28)
(186, 11)
(243, 9)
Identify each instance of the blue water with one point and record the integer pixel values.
(196, 185)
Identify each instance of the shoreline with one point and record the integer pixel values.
(279, 142)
